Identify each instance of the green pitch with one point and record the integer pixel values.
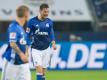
(75, 75)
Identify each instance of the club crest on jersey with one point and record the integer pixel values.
(37, 25)
(47, 24)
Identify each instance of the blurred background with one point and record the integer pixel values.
(81, 33)
(78, 18)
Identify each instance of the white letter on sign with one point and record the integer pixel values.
(94, 54)
(72, 63)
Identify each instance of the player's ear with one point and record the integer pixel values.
(26, 16)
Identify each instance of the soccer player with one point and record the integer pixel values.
(16, 65)
(40, 28)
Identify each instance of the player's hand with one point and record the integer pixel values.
(27, 54)
(54, 46)
(24, 58)
(27, 51)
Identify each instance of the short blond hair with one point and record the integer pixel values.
(20, 11)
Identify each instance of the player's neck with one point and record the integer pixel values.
(40, 17)
(20, 21)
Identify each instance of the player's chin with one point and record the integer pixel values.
(45, 16)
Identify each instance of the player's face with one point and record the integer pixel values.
(44, 12)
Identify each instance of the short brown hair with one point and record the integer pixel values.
(20, 11)
(44, 5)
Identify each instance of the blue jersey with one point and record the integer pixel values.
(16, 34)
(41, 31)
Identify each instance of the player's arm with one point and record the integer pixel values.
(53, 44)
(16, 48)
(13, 37)
(52, 36)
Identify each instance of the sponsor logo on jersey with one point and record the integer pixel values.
(37, 32)
(23, 41)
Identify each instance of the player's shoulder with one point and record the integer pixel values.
(31, 19)
(13, 25)
(50, 20)
(30, 22)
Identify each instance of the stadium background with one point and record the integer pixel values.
(80, 30)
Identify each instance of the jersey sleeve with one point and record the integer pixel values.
(29, 31)
(52, 36)
(29, 27)
(13, 34)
